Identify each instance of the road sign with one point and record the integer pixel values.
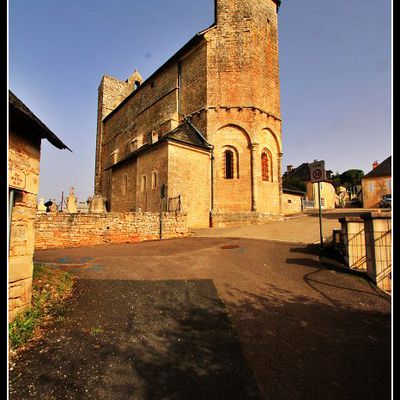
(317, 170)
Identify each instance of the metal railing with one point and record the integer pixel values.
(175, 203)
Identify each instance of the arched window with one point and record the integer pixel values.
(266, 166)
(154, 180)
(144, 183)
(229, 164)
(124, 184)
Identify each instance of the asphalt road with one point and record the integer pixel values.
(305, 332)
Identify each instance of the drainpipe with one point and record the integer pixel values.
(10, 218)
(212, 184)
(179, 89)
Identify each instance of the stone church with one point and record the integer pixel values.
(206, 125)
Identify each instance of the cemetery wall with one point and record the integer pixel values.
(62, 230)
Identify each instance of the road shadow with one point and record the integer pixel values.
(138, 340)
(300, 347)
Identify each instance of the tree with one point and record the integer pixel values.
(336, 179)
(351, 177)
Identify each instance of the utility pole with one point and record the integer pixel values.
(162, 196)
(321, 239)
(62, 200)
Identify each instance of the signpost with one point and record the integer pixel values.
(317, 171)
(162, 197)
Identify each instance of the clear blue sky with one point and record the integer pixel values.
(335, 68)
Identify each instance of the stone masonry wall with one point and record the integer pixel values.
(185, 164)
(24, 157)
(220, 220)
(60, 230)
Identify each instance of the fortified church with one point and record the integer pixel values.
(206, 125)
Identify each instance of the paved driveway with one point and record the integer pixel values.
(303, 229)
(306, 332)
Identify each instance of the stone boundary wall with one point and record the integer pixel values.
(220, 220)
(59, 230)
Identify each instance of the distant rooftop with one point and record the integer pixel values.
(383, 169)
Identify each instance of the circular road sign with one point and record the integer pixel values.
(317, 173)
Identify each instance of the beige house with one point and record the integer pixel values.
(377, 183)
(25, 134)
(206, 125)
(327, 189)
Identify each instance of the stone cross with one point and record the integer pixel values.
(41, 208)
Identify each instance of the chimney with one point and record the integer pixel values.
(289, 168)
(375, 164)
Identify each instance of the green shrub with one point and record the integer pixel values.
(50, 287)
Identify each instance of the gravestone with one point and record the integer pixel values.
(97, 204)
(71, 202)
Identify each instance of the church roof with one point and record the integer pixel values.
(186, 133)
(197, 38)
(18, 110)
(383, 169)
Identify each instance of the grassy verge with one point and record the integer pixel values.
(50, 288)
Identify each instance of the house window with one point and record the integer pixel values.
(371, 187)
(124, 184)
(144, 183)
(114, 157)
(266, 165)
(154, 180)
(389, 184)
(229, 160)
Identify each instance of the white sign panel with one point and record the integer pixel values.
(317, 170)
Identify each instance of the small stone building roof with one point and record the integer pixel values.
(292, 190)
(185, 133)
(383, 169)
(19, 111)
(189, 134)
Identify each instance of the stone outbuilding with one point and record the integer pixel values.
(377, 183)
(25, 134)
(292, 200)
(206, 126)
